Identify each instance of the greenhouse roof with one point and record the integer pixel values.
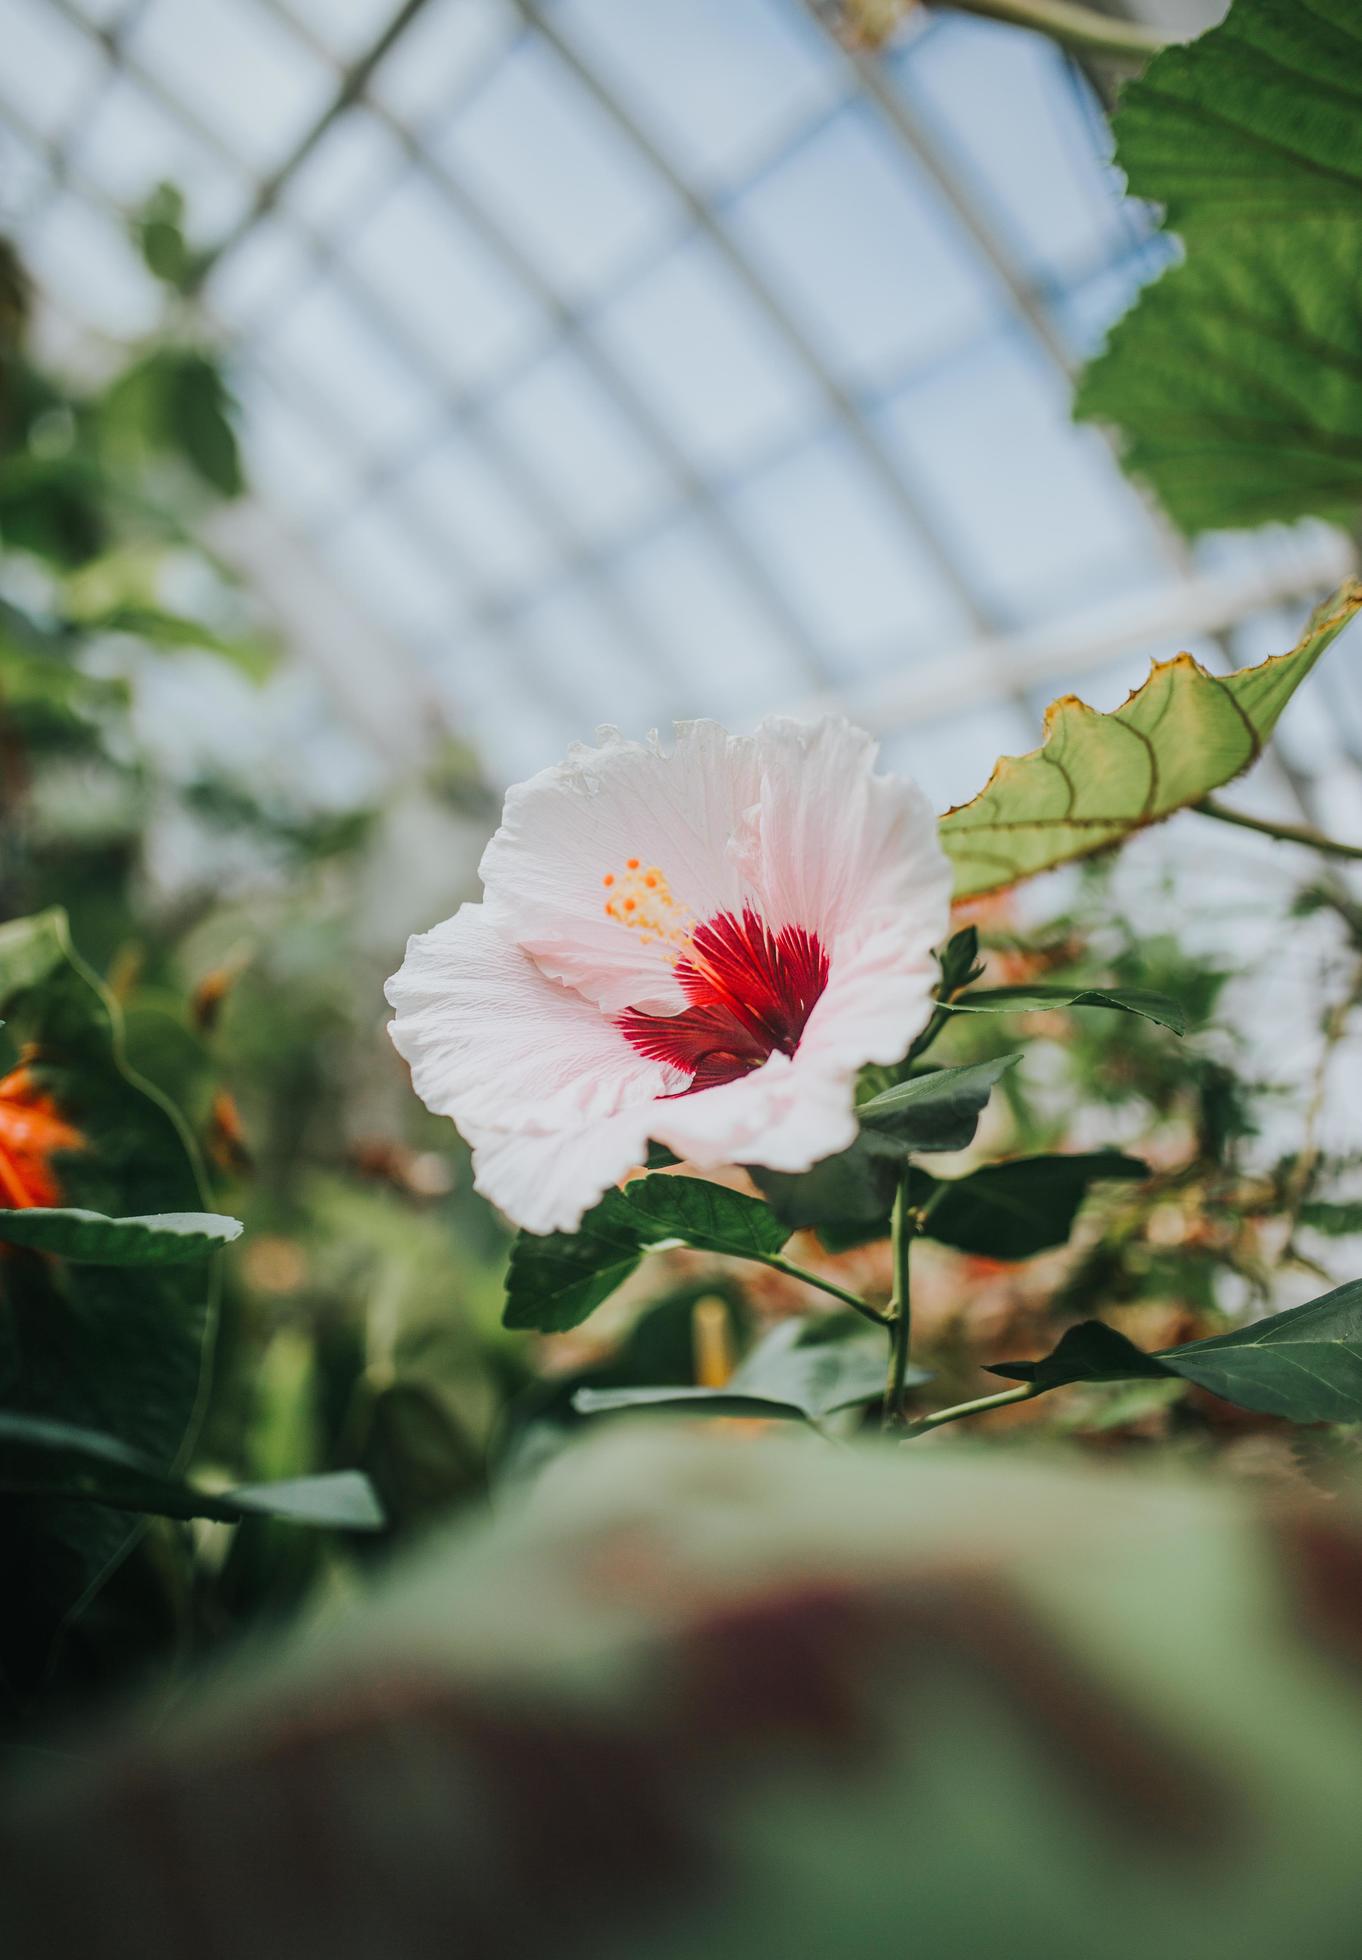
(624, 362)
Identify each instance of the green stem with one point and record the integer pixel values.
(852, 1300)
(1285, 833)
(901, 1332)
(1079, 28)
(1023, 1392)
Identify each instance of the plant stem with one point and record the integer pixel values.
(848, 1299)
(1023, 1392)
(901, 1332)
(1285, 833)
(1079, 28)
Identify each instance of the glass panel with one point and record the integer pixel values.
(49, 66)
(443, 51)
(486, 525)
(715, 83)
(570, 433)
(714, 369)
(235, 68)
(1034, 503)
(854, 240)
(844, 557)
(734, 663)
(441, 284)
(539, 154)
(130, 145)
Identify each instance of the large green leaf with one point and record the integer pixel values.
(46, 1459)
(936, 1111)
(1016, 1208)
(553, 1282)
(1304, 1364)
(1237, 377)
(88, 1238)
(1025, 1000)
(1236, 380)
(120, 1352)
(1260, 117)
(1097, 778)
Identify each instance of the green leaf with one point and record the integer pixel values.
(1025, 1000)
(787, 1376)
(1089, 1352)
(685, 1401)
(198, 408)
(1304, 1364)
(120, 1352)
(555, 1281)
(707, 1216)
(936, 1111)
(960, 962)
(1236, 379)
(1016, 1208)
(92, 1239)
(1097, 778)
(854, 1189)
(1339, 1217)
(1262, 115)
(59, 1461)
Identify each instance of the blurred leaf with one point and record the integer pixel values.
(936, 1111)
(1304, 1364)
(174, 402)
(1024, 1000)
(687, 1401)
(784, 1377)
(1015, 1208)
(960, 962)
(1340, 1218)
(417, 1454)
(1097, 778)
(59, 1461)
(119, 1352)
(89, 1238)
(158, 231)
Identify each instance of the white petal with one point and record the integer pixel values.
(567, 828)
(552, 1098)
(829, 844)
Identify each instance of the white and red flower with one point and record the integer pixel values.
(700, 947)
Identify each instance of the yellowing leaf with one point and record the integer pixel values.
(1098, 777)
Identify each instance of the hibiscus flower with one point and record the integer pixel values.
(32, 1133)
(699, 947)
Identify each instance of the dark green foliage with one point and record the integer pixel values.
(1304, 1364)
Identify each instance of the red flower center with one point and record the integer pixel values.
(750, 990)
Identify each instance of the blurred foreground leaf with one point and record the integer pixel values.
(100, 1347)
(88, 1238)
(58, 1460)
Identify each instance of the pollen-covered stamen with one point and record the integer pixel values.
(640, 897)
(751, 992)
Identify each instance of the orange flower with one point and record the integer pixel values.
(31, 1134)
